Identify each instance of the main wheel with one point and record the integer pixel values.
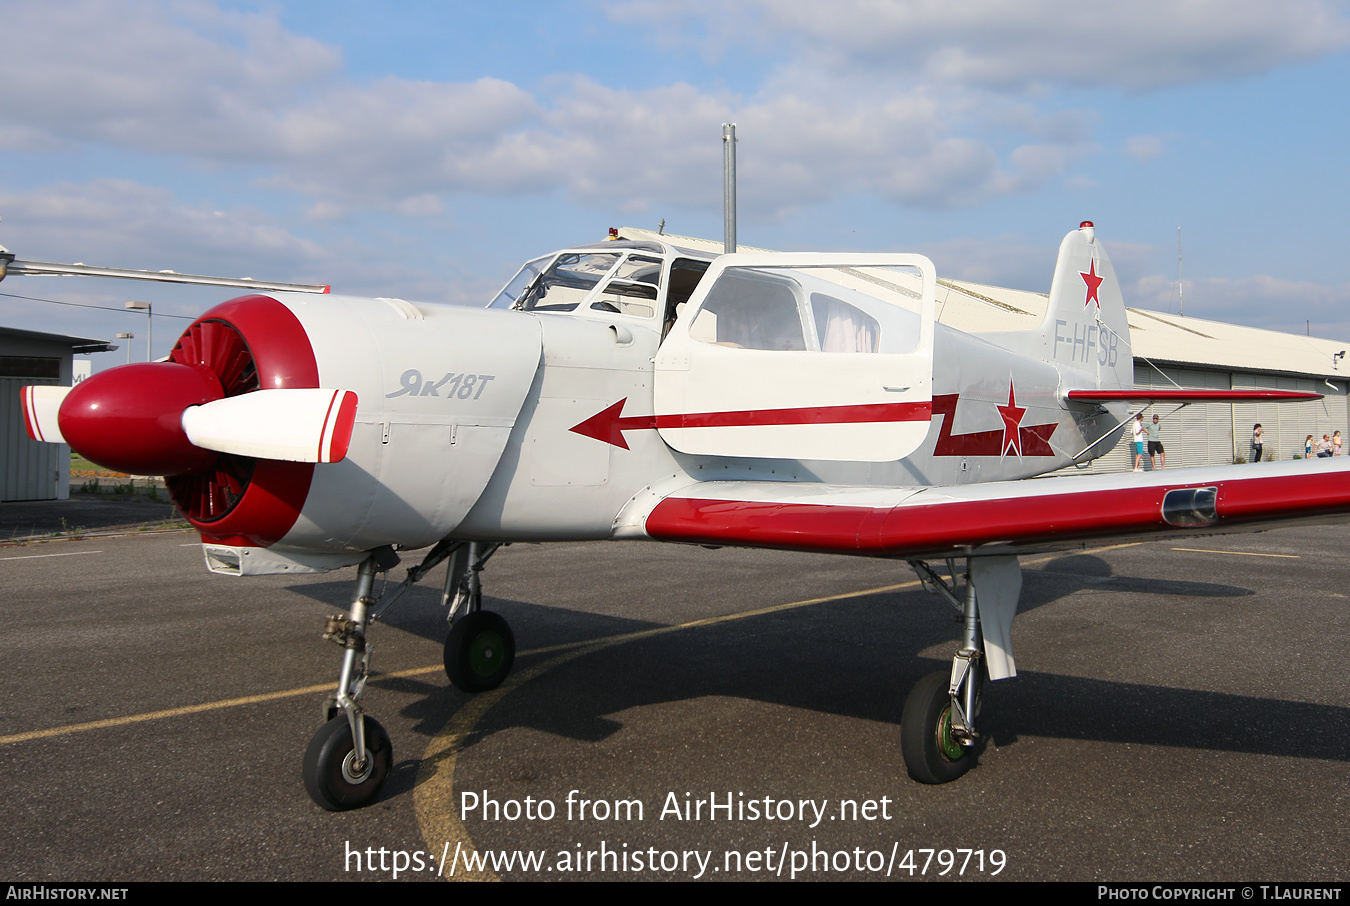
(333, 778)
(932, 753)
(479, 651)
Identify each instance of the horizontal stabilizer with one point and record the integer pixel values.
(293, 425)
(1159, 395)
(40, 406)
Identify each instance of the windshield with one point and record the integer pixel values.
(519, 283)
(561, 286)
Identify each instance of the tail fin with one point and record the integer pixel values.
(1085, 328)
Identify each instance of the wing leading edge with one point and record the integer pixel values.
(1007, 517)
(1162, 395)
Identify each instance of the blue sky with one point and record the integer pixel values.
(424, 150)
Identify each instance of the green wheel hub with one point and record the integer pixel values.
(948, 745)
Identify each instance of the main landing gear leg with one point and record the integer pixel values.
(937, 729)
(480, 648)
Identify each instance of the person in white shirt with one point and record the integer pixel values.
(1138, 431)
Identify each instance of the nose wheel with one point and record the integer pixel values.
(335, 776)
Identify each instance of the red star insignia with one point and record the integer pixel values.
(1094, 283)
(1012, 423)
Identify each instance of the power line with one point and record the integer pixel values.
(99, 307)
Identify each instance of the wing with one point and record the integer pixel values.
(995, 518)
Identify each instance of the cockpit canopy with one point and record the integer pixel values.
(644, 280)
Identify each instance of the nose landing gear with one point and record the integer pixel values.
(350, 757)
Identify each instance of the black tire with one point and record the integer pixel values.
(479, 651)
(932, 754)
(330, 777)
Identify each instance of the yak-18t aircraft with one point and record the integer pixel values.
(647, 391)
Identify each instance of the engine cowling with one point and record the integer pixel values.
(440, 389)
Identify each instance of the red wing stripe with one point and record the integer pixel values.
(810, 415)
(958, 526)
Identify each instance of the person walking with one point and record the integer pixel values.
(1307, 447)
(1256, 442)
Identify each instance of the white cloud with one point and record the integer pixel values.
(188, 81)
(1145, 147)
(1260, 300)
(992, 43)
(113, 222)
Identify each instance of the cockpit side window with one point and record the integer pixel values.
(841, 327)
(633, 288)
(749, 310)
(685, 274)
(790, 309)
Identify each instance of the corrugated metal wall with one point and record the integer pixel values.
(29, 470)
(1213, 434)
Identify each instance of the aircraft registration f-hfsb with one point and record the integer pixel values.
(640, 390)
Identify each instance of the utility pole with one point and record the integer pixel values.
(729, 187)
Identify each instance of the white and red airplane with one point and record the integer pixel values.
(641, 390)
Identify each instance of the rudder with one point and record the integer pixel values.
(1085, 327)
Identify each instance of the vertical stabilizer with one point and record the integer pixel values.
(1086, 333)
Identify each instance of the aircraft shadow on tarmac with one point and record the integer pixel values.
(855, 658)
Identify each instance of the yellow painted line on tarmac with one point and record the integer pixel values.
(1202, 550)
(160, 715)
(435, 785)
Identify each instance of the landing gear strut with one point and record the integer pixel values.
(479, 648)
(349, 758)
(937, 729)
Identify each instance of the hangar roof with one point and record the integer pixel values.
(1154, 335)
(76, 344)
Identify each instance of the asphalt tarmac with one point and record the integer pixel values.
(1181, 713)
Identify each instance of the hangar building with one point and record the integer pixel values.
(30, 470)
(1171, 351)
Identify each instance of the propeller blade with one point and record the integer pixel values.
(294, 425)
(40, 407)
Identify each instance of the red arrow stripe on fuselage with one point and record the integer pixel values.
(609, 425)
(810, 415)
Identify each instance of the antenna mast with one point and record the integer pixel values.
(1181, 299)
(729, 187)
